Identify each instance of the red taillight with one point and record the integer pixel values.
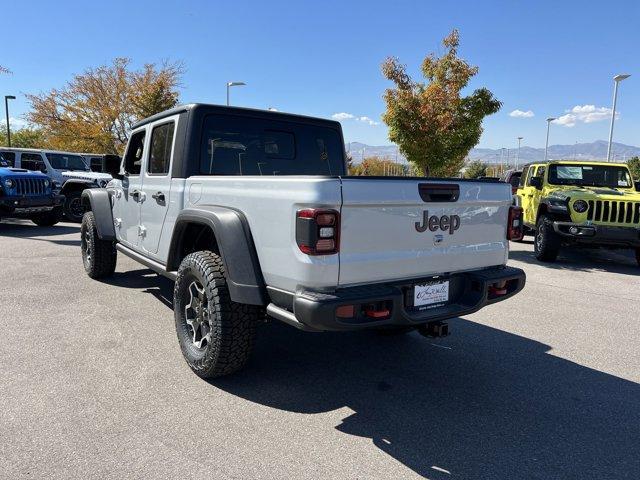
(317, 231)
(514, 225)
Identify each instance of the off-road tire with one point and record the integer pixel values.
(546, 242)
(98, 256)
(48, 219)
(73, 206)
(232, 325)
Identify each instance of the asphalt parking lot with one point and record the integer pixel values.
(93, 385)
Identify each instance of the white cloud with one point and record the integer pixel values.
(16, 123)
(584, 114)
(522, 114)
(349, 116)
(368, 120)
(342, 116)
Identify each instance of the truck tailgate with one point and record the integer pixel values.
(410, 228)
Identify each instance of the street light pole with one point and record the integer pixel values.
(233, 84)
(546, 145)
(518, 154)
(6, 110)
(616, 80)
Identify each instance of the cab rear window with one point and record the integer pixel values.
(233, 145)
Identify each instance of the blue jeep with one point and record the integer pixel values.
(27, 194)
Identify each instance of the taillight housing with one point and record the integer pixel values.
(515, 229)
(318, 231)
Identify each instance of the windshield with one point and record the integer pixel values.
(64, 161)
(253, 146)
(590, 175)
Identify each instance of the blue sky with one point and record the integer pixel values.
(323, 58)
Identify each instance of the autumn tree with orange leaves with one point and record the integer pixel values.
(432, 123)
(94, 112)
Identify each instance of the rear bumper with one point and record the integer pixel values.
(468, 293)
(26, 205)
(599, 234)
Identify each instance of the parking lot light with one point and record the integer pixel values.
(233, 84)
(6, 109)
(518, 155)
(616, 80)
(546, 145)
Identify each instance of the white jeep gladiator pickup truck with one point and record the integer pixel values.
(252, 213)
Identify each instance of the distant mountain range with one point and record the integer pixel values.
(580, 151)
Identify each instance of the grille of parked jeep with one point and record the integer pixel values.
(30, 186)
(606, 211)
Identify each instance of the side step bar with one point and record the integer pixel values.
(287, 317)
(155, 266)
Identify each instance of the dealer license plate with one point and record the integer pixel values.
(431, 293)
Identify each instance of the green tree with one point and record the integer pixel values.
(95, 111)
(26, 137)
(376, 166)
(434, 126)
(634, 166)
(476, 169)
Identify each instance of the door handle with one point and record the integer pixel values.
(138, 195)
(158, 197)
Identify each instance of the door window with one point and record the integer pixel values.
(160, 150)
(32, 161)
(135, 150)
(9, 158)
(529, 175)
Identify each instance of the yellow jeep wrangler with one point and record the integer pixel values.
(572, 202)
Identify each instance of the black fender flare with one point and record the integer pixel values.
(99, 202)
(235, 245)
(547, 206)
(76, 184)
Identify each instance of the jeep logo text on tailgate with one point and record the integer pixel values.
(433, 223)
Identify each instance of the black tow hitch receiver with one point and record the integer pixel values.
(434, 329)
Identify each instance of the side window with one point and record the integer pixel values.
(96, 164)
(32, 161)
(523, 176)
(530, 174)
(135, 150)
(160, 150)
(9, 158)
(540, 172)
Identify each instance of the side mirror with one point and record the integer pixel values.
(112, 165)
(536, 182)
(43, 169)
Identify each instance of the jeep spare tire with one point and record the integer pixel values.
(216, 334)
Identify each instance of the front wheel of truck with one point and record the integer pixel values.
(216, 334)
(98, 256)
(73, 208)
(48, 219)
(546, 241)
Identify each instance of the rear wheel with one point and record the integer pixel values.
(73, 208)
(48, 219)
(546, 240)
(98, 256)
(216, 334)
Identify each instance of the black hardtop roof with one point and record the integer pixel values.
(221, 109)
